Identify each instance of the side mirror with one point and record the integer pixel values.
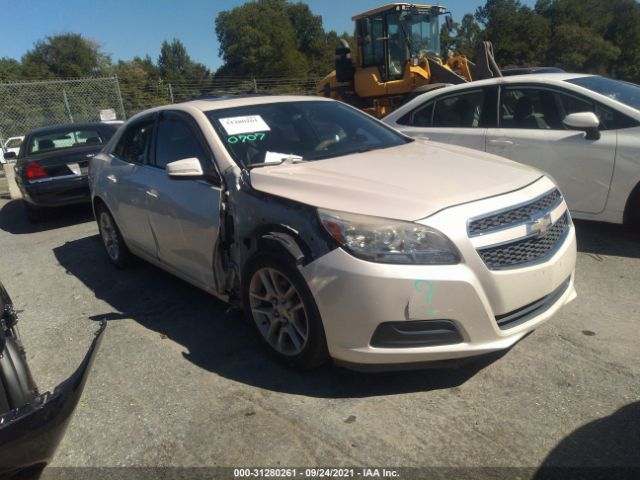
(585, 121)
(10, 155)
(186, 169)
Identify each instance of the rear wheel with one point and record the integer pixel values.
(112, 240)
(278, 303)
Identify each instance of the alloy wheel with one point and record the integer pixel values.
(109, 236)
(278, 311)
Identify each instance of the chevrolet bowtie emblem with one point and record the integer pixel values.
(540, 225)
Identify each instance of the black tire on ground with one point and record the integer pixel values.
(34, 214)
(114, 245)
(314, 352)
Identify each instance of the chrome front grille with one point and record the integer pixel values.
(514, 216)
(527, 250)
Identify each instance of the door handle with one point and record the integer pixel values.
(152, 193)
(501, 143)
(112, 178)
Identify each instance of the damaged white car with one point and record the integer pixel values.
(340, 237)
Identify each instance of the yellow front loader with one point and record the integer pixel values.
(398, 57)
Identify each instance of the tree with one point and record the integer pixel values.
(463, 39)
(141, 84)
(187, 78)
(65, 56)
(578, 34)
(10, 70)
(258, 39)
(520, 37)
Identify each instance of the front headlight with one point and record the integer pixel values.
(389, 241)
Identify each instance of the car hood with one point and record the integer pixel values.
(407, 182)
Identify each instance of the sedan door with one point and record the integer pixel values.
(184, 214)
(126, 187)
(531, 131)
(458, 118)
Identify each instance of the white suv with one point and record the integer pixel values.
(339, 236)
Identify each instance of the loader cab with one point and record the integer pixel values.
(390, 36)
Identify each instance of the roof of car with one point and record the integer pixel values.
(64, 126)
(206, 104)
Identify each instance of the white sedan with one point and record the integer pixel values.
(583, 130)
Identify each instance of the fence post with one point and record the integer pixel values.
(119, 93)
(66, 104)
(255, 86)
(171, 93)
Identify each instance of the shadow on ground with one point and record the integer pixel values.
(606, 448)
(13, 218)
(219, 340)
(597, 238)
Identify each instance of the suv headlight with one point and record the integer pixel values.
(389, 241)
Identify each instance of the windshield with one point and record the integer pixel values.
(271, 133)
(68, 138)
(411, 35)
(13, 143)
(623, 92)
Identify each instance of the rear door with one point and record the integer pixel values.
(184, 214)
(126, 180)
(531, 131)
(458, 118)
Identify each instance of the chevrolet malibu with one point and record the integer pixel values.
(340, 237)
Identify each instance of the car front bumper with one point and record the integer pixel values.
(355, 297)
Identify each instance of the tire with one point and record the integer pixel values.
(16, 382)
(34, 214)
(287, 321)
(114, 245)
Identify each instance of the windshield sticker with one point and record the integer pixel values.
(275, 157)
(251, 137)
(245, 124)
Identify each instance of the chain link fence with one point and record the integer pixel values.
(28, 105)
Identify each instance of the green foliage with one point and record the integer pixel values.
(10, 70)
(69, 55)
(188, 78)
(271, 38)
(464, 41)
(258, 39)
(520, 37)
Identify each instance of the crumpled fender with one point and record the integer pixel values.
(29, 435)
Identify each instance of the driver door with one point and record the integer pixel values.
(184, 214)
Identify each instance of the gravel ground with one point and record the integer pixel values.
(179, 381)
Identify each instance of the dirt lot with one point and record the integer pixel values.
(180, 381)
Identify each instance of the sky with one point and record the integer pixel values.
(126, 28)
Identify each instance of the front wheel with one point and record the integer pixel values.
(278, 303)
(112, 240)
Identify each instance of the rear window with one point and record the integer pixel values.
(68, 138)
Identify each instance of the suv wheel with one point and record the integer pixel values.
(278, 303)
(112, 239)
